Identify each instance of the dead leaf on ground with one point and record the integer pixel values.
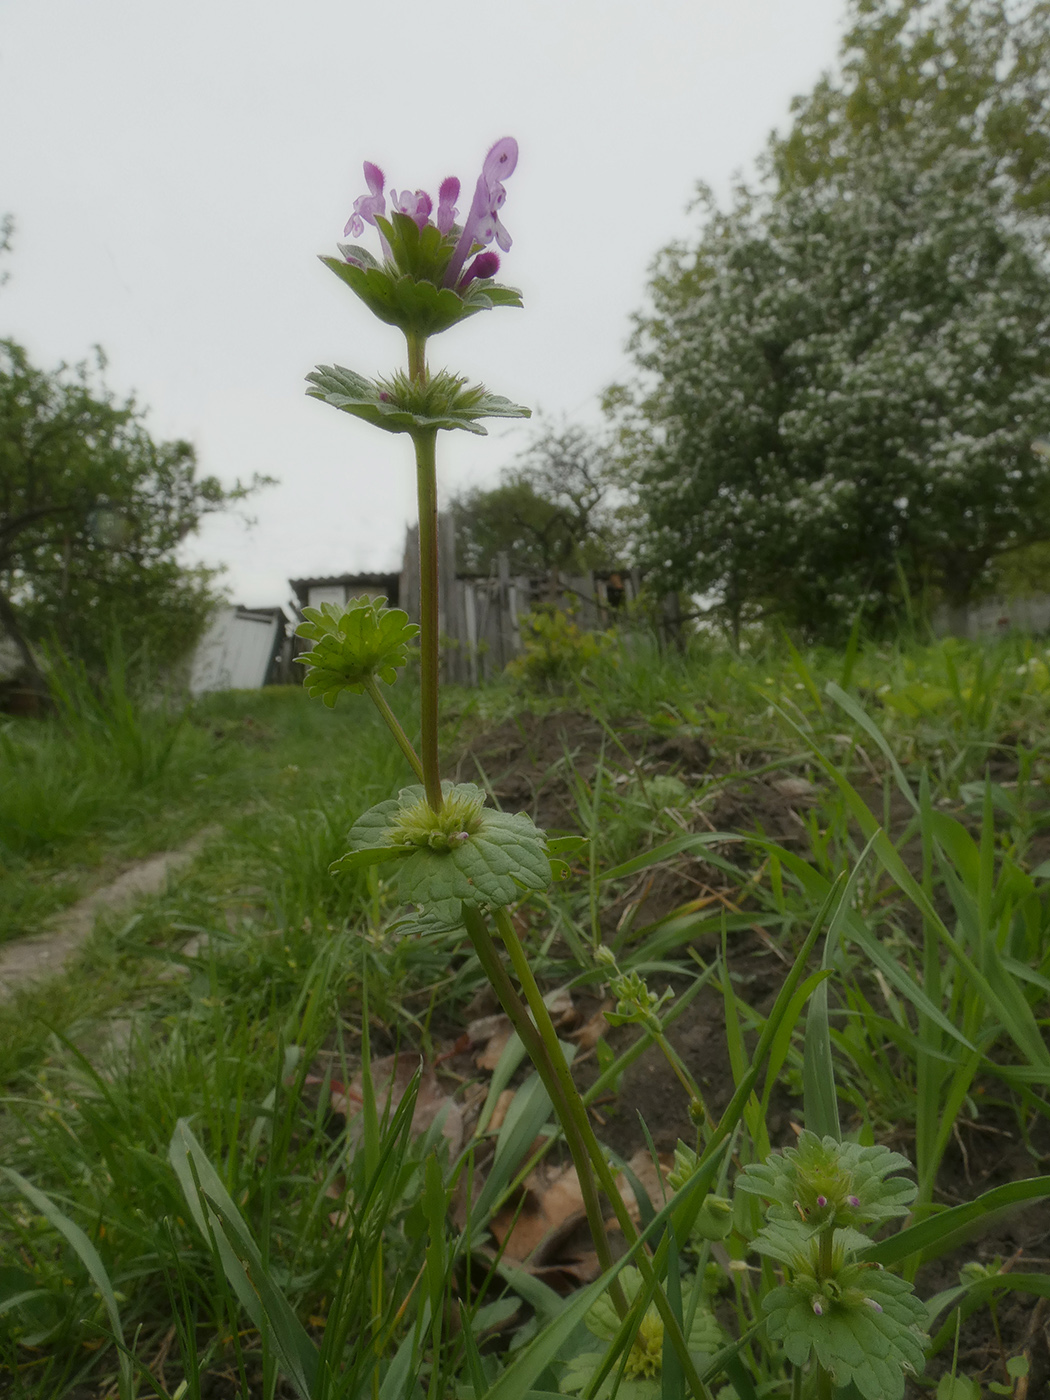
(489, 1058)
(592, 1030)
(797, 789)
(561, 1006)
(499, 1112)
(483, 1028)
(391, 1076)
(553, 1199)
(491, 1032)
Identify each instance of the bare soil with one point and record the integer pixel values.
(529, 764)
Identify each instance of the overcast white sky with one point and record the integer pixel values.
(174, 168)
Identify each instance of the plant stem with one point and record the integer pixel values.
(569, 1096)
(379, 700)
(537, 1051)
(417, 355)
(426, 486)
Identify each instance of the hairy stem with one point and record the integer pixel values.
(537, 1051)
(574, 1105)
(404, 744)
(426, 486)
(417, 355)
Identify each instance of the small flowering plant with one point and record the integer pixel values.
(860, 1325)
(462, 861)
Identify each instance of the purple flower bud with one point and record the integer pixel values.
(447, 211)
(818, 1307)
(872, 1304)
(822, 1201)
(417, 206)
(501, 160)
(853, 1200)
(369, 205)
(384, 397)
(484, 265)
(483, 225)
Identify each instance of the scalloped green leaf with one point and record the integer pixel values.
(871, 1347)
(351, 393)
(373, 855)
(503, 855)
(353, 252)
(352, 645)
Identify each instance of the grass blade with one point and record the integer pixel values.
(89, 1257)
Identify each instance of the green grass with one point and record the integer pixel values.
(212, 1002)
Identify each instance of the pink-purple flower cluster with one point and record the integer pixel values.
(481, 227)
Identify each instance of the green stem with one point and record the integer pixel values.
(570, 1097)
(426, 486)
(682, 1074)
(379, 700)
(531, 1039)
(417, 355)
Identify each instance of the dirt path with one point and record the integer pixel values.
(46, 954)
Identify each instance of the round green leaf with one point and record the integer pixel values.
(468, 852)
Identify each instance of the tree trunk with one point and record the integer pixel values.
(34, 677)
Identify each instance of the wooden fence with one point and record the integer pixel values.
(480, 617)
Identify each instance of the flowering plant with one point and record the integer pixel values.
(462, 861)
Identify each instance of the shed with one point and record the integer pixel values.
(312, 592)
(243, 649)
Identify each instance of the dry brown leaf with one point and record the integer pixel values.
(796, 789)
(569, 1274)
(489, 1057)
(485, 1027)
(561, 1006)
(592, 1030)
(499, 1112)
(553, 1200)
(391, 1076)
(653, 1181)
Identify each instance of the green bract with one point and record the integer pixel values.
(352, 645)
(404, 405)
(859, 1323)
(635, 1003)
(409, 294)
(825, 1182)
(466, 852)
(868, 1329)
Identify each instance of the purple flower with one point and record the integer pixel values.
(853, 1200)
(483, 224)
(872, 1304)
(369, 205)
(822, 1201)
(484, 265)
(818, 1307)
(417, 206)
(447, 211)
